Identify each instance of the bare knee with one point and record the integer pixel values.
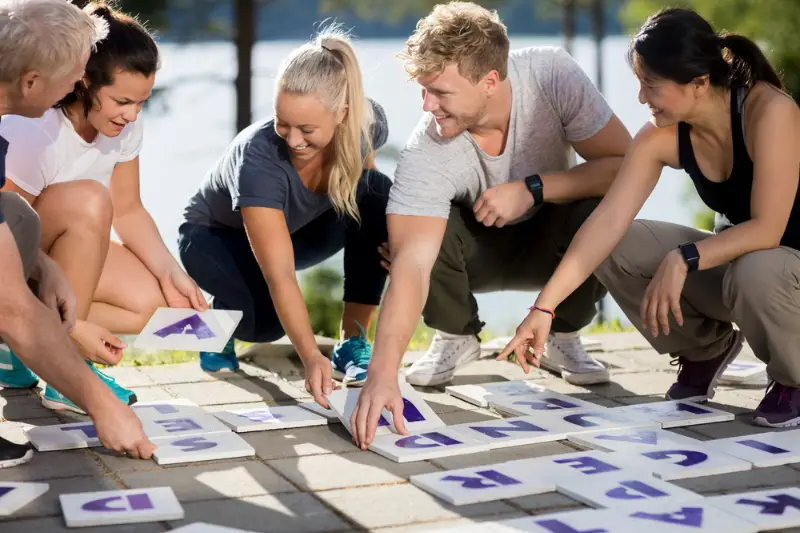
(83, 205)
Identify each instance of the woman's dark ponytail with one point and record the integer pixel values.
(747, 62)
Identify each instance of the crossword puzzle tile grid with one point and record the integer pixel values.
(640, 484)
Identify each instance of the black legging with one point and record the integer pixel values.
(222, 263)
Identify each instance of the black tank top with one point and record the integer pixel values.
(730, 199)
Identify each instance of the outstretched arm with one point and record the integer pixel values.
(35, 335)
(272, 245)
(414, 242)
(139, 233)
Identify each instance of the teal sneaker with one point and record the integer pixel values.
(52, 399)
(220, 362)
(14, 374)
(350, 360)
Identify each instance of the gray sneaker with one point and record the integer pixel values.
(698, 379)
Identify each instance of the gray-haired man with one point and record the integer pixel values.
(44, 46)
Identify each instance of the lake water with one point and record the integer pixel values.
(191, 122)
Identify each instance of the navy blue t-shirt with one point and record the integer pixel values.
(255, 171)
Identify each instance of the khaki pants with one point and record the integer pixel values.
(759, 292)
(23, 222)
(523, 256)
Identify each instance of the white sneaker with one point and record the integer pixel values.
(446, 353)
(566, 355)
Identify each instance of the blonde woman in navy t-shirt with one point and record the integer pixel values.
(287, 194)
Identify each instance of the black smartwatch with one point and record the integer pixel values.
(536, 187)
(690, 255)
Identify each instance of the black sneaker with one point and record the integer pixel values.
(698, 379)
(12, 454)
(780, 407)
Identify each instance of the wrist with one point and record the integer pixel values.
(687, 256)
(535, 187)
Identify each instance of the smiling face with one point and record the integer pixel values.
(118, 104)
(455, 102)
(669, 102)
(305, 123)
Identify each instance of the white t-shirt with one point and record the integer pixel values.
(554, 103)
(47, 150)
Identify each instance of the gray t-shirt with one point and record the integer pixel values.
(553, 103)
(255, 171)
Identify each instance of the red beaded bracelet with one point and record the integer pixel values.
(543, 310)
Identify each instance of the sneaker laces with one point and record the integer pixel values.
(105, 377)
(572, 348)
(779, 394)
(361, 351)
(442, 350)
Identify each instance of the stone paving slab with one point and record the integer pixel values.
(759, 478)
(549, 502)
(236, 391)
(345, 470)
(55, 465)
(152, 394)
(23, 407)
(130, 376)
(502, 455)
(299, 442)
(396, 505)
(278, 513)
(314, 479)
(433, 526)
(56, 525)
(212, 481)
(183, 373)
(49, 505)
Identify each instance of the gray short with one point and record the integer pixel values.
(24, 224)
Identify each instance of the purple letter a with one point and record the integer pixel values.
(196, 326)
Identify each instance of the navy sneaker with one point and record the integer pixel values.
(698, 379)
(780, 407)
(13, 454)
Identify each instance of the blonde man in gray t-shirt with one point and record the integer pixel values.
(486, 197)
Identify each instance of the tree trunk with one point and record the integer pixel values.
(246, 16)
(599, 31)
(569, 24)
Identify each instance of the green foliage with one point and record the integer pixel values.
(322, 288)
(772, 23)
(614, 326)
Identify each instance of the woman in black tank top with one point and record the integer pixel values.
(719, 113)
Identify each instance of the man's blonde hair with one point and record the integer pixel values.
(463, 33)
(49, 36)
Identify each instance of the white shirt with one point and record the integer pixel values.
(47, 150)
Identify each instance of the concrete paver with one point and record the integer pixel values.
(276, 513)
(212, 481)
(353, 469)
(395, 505)
(314, 479)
